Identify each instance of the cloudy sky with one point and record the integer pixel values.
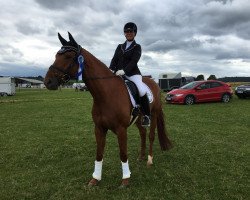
(193, 37)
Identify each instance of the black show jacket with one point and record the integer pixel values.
(126, 59)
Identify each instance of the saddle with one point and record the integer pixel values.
(135, 98)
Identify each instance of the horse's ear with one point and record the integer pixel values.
(71, 39)
(62, 40)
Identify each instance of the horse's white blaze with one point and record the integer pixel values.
(150, 160)
(125, 170)
(98, 170)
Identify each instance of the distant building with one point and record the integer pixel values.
(170, 75)
(28, 82)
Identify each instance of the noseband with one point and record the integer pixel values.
(64, 75)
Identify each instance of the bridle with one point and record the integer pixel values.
(64, 75)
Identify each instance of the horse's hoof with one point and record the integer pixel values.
(93, 182)
(124, 184)
(149, 164)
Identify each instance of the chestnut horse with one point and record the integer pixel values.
(111, 104)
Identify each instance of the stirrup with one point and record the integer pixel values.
(145, 121)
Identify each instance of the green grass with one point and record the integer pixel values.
(47, 151)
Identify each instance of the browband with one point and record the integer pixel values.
(69, 48)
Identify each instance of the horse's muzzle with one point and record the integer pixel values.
(51, 83)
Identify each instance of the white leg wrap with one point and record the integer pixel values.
(150, 160)
(125, 170)
(98, 170)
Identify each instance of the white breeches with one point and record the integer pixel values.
(137, 79)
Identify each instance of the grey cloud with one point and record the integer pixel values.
(28, 27)
(167, 45)
(13, 69)
(226, 18)
(149, 61)
(113, 6)
(246, 61)
(222, 18)
(9, 53)
(243, 30)
(198, 36)
(17, 52)
(221, 1)
(57, 5)
(233, 55)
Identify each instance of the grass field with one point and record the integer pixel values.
(47, 151)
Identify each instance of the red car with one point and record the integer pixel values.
(200, 91)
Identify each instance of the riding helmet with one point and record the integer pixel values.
(130, 26)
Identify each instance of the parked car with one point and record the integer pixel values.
(243, 91)
(200, 91)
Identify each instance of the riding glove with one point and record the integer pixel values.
(120, 72)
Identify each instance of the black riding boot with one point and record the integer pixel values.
(145, 108)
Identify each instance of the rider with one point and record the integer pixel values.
(124, 62)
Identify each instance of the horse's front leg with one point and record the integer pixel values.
(100, 135)
(122, 140)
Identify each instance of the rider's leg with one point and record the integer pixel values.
(137, 79)
(145, 110)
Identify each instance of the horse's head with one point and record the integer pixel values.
(65, 65)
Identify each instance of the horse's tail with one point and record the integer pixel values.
(164, 141)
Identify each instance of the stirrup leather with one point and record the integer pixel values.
(146, 121)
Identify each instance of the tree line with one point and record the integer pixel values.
(224, 79)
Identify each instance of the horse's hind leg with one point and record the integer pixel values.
(100, 135)
(143, 135)
(151, 139)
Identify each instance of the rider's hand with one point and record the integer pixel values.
(120, 72)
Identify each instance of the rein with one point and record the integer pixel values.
(65, 76)
(104, 77)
